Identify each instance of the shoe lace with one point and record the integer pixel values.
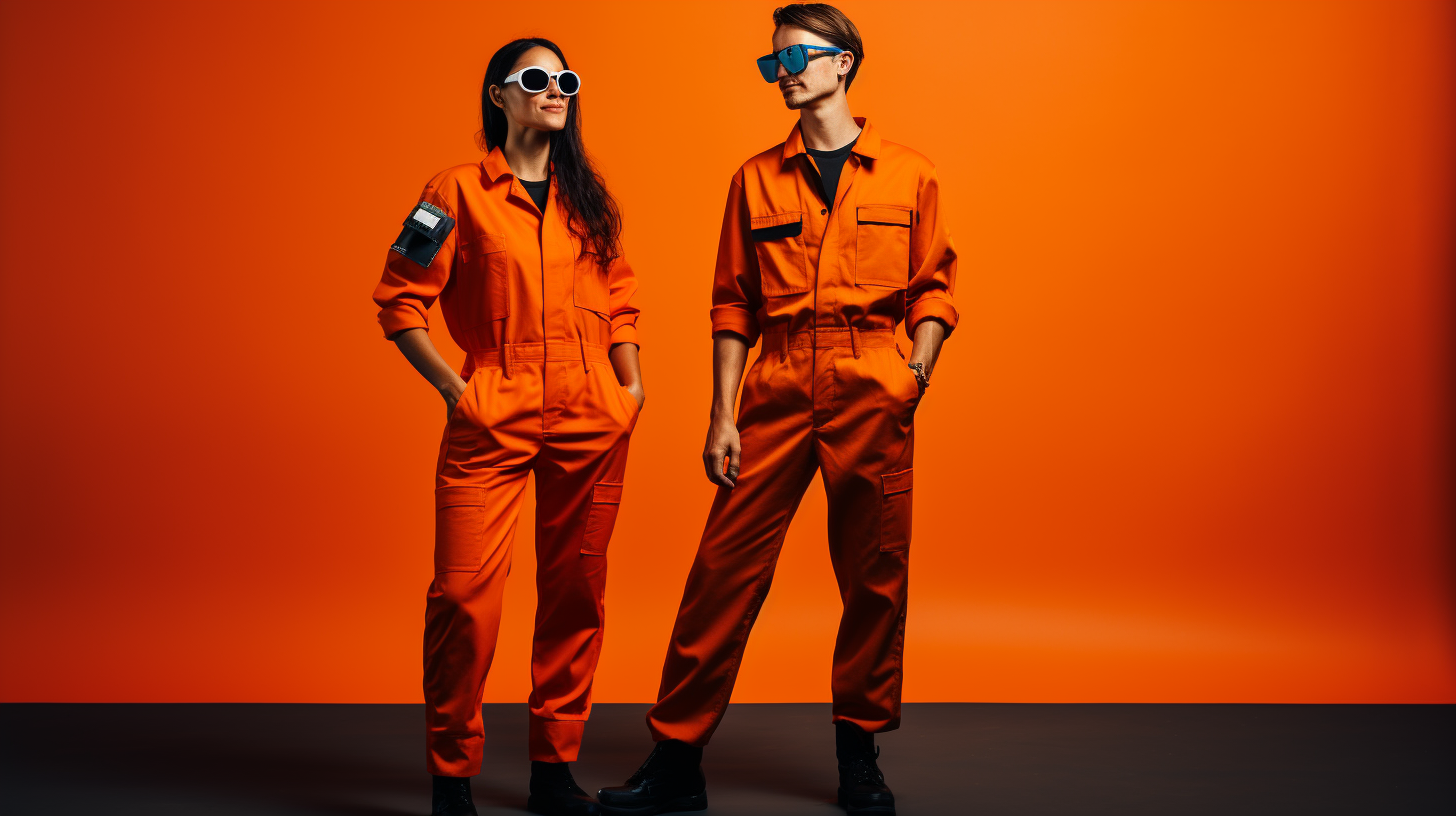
(864, 770)
(450, 795)
(641, 772)
(560, 778)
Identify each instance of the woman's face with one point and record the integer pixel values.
(543, 111)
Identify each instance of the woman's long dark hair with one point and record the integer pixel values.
(591, 212)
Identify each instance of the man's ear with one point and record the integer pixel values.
(847, 64)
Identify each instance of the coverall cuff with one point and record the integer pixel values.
(454, 754)
(554, 740)
(398, 318)
(931, 307)
(729, 318)
(625, 333)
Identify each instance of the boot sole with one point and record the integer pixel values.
(698, 801)
(534, 806)
(869, 809)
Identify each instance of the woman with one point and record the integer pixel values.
(523, 250)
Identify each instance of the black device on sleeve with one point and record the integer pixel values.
(424, 231)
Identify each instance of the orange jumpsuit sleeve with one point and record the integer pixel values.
(932, 262)
(622, 289)
(406, 290)
(737, 291)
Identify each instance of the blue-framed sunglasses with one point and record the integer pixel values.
(795, 58)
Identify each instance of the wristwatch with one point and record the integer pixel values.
(921, 378)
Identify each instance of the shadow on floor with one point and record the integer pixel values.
(951, 758)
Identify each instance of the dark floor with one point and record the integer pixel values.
(950, 758)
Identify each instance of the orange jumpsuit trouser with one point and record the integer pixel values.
(838, 400)
(555, 410)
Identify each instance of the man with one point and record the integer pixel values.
(829, 241)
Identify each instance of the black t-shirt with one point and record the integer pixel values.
(537, 191)
(830, 163)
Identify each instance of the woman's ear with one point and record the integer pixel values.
(495, 96)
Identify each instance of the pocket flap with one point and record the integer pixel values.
(457, 495)
(484, 245)
(607, 493)
(897, 482)
(776, 225)
(893, 216)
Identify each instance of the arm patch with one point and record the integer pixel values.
(424, 231)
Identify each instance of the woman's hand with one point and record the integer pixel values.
(452, 392)
(416, 347)
(628, 370)
(638, 393)
(722, 442)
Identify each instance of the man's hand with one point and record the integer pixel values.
(730, 353)
(929, 335)
(722, 442)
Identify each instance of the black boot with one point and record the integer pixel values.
(862, 787)
(670, 780)
(555, 793)
(450, 796)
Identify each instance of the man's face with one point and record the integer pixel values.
(819, 79)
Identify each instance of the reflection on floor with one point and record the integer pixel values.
(948, 758)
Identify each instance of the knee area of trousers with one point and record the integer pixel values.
(455, 591)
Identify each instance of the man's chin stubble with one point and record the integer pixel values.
(794, 104)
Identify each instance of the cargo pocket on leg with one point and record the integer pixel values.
(459, 528)
(601, 517)
(895, 511)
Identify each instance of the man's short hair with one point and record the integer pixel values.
(828, 22)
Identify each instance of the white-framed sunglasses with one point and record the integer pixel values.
(534, 79)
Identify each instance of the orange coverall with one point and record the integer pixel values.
(541, 397)
(829, 390)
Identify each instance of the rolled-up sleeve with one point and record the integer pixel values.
(932, 262)
(622, 283)
(736, 287)
(407, 290)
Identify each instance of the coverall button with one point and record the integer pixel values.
(823, 212)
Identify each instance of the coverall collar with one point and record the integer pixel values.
(867, 146)
(495, 165)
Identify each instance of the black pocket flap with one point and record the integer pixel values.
(892, 216)
(778, 225)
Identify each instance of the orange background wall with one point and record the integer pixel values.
(1190, 442)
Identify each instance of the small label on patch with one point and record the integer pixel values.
(425, 218)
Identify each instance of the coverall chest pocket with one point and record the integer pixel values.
(882, 245)
(779, 241)
(590, 288)
(483, 281)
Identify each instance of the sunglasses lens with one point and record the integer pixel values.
(534, 80)
(768, 67)
(568, 83)
(793, 59)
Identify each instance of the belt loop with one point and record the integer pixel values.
(784, 349)
(508, 359)
(854, 341)
(585, 366)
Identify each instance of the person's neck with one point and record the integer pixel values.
(528, 152)
(828, 124)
